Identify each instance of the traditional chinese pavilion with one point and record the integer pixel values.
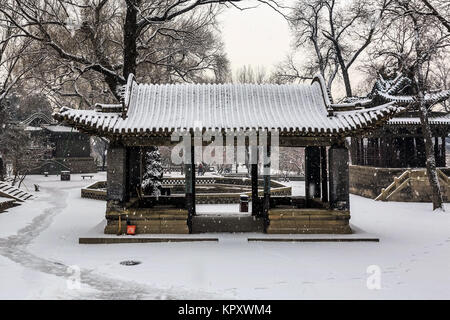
(379, 155)
(70, 149)
(301, 115)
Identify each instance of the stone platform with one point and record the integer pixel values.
(292, 221)
(226, 223)
(159, 219)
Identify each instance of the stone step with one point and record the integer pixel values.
(9, 191)
(226, 223)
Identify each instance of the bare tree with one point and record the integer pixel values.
(24, 151)
(90, 47)
(292, 160)
(442, 17)
(307, 23)
(409, 47)
(337, 33)
(439, 76)
(250, 74)
(12, 53)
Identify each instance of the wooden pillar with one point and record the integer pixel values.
(312, 173)
(421, 158)
(361, 152)
(134, 169)
(266, 172)
(414, 157)
(324, 173)
(2, 170)
(381, 150)
(193, 179)
(403, 153)
(339, 177)
(396, 161)
(254, 182)
(443, 153)
(387, 153)
(364, 144)
(117, 173)
(436, 150)
(409, 151)
(370, 151)
(353, 151)
(376, 162)
(189, 173)
(358, 146)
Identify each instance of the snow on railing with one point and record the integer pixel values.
(404, 180)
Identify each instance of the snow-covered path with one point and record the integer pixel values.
(95, 285)
(39, 246)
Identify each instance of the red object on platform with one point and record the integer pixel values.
(131, 230)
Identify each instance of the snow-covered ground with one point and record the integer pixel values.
(40, 257)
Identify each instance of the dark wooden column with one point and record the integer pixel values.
(193, 179)
(2, 170)
(443, 153)
(376, 145)
(382, 152)
(312, 173)
(353, 151)
(266, 172)
(189, 173)
(254, 177)
(421, 157)
(414, 157)
(362, 152)
(403, 152)
(388, 153)
(134, 169)
(409, 150)
(117, 173)
(437, 155)
(357, 151)
(324, 173)
(370, 153)
(364, 145)
(339, 177)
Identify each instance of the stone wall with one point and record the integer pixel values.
(368, 181)
(79, 165)
(56, 165)
(419, 190)
(221, 194)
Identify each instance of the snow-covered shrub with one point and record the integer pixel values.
(153, 172)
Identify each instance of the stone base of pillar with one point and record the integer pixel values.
(311, 221)
(156, 220)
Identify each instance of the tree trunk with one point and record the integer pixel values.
(436, 196)
(430, 160)
(348, 87)
(130, 38)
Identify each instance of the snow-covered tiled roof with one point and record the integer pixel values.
(153, 108)
(38, 115)
(429, 98)
(59, 128)
(433, 120)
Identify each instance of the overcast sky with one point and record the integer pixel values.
(258, 37)
(261, 37)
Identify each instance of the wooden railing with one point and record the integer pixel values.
(404, 180)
